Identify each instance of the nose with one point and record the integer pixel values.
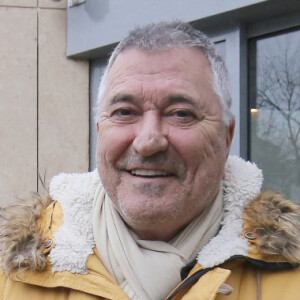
(150, 138)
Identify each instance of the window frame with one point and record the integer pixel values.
(236, 39)
(256, 31)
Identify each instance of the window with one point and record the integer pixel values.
(97, 67)
(274, 107)
(221, 48)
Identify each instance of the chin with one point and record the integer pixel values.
(150, 211)
(133, 214)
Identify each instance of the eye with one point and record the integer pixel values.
(182, 117)
(124, 112)
(124, 115)
(183, 114)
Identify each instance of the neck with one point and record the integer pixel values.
(163, 229)
(161, 234)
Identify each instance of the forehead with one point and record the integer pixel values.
(184, 70)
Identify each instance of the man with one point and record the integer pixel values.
(166, 215)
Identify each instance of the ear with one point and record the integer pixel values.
(230, 132)
(97, 127)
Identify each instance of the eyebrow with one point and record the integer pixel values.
(170, 100)
(122, 98)
(181, 99)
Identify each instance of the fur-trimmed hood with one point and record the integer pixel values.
(22, 243)
(263, 225)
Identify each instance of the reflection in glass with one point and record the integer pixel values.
(275, 111)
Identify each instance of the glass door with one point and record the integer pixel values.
(274, 109)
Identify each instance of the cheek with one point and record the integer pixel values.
(112, 142)
(190, 143)
(199, 146)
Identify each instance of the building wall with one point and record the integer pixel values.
(95, 27)
(44, 107)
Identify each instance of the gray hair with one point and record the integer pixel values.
(166, 35)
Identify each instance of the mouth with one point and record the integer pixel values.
(149, 173)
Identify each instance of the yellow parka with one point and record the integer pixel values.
(268, 269)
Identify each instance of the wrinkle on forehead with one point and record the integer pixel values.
(132, 75)
(132, 60)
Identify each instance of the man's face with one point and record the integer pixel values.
(162, 143)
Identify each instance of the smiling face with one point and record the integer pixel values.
(162, 143)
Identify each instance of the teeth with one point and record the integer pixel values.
(149, 173)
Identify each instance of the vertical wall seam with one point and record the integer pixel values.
(37, 97)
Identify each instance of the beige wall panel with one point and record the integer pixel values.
(63, 100)
(18, 102)
(20, 3)
(53, 4)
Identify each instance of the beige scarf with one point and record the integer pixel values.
(148, 269)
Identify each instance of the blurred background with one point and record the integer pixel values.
(53, 53)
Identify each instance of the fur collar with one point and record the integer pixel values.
(21, 242)
(275, 220)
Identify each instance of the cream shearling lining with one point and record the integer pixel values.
(75, 242)
(270, 217)
(242, 184)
